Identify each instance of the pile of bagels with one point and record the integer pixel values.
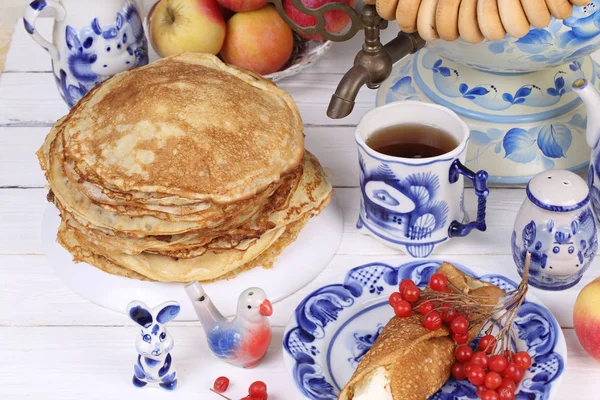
(473, 20)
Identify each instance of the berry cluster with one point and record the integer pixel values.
(256, 391)
(495, 376)
(434, 315)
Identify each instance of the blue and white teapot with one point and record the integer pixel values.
(556, 226)
(92, 40)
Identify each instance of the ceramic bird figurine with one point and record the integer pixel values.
(154, 365)
(242, 341)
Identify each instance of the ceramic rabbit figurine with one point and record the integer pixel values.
(591, 99)
(242, 341)
(154, 365)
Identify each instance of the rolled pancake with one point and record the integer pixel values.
(410, 361)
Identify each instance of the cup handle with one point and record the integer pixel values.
(479, 180)
(31, 14)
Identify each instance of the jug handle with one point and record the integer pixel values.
(30, 15)
(479, 180)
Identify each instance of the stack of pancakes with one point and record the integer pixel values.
(185, 169)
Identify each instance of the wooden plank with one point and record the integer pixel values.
(20, 220)
(25, 55)
(21, 213)
(32, 294)
(19, 166)
(96, 363)
(32, 99)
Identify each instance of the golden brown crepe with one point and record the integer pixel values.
(415, 361)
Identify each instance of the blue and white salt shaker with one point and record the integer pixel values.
(154, 366)
(556, 225)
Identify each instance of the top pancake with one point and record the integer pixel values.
(189, 126)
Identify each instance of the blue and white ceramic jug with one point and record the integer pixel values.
(556, 225)
(591, 97)
(92, 40)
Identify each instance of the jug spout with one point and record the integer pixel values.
(591, 99)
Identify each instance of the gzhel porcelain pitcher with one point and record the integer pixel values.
(92, 40)
(591, 98)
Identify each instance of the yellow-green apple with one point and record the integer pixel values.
(335, 21)
(242, 5)
(178, 26)
(586, 318)
(259, 41)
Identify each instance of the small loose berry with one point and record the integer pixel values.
(438, 282)
(411, 293)
(395, 298)
(487, 344)
(460, 338)
(258, 390)
(490, 395)
(426, 307)
(523, 360)
(433, 321)
(221, 384)
(403, 309)
(459, 325)
(458, 371)
(476, 375)
(464, 353)
(405, 283)
(493, 380)
(480, 359)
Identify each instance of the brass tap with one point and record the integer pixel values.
(373, 64)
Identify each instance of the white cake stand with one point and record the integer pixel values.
(297, 265)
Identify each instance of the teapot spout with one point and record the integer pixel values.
(591, 99)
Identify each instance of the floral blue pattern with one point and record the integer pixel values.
(448, 82)
(542, 143)
(318, 376)
(97, 52)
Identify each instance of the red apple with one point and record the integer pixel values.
(586, 318)
(335, 21)
(259, 41)
(242, 5)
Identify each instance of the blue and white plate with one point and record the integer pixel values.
(335, 326)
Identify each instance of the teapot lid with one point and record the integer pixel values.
(558, 190)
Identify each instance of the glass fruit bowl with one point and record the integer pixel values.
(305, 52)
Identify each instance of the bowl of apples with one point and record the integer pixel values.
(246, 33)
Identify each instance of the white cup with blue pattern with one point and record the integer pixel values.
(416, 204)
(91, 41)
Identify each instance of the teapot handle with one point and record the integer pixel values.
(479, 180)
(30, 15)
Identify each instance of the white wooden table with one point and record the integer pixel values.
(56, 344)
